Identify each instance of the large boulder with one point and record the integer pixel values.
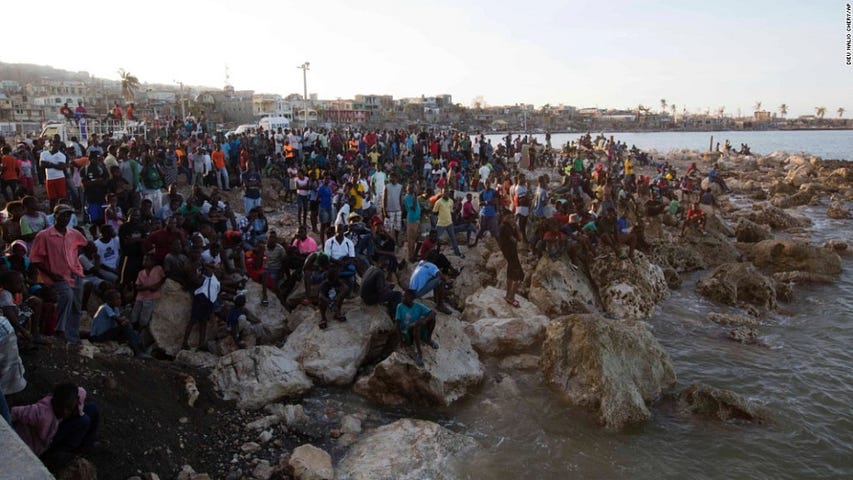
(680, 257)
(792, 255)
(311, 463)
(497, 328)
(612, 366)
(172, 314)
(170, 318)
(774, 217)
(447, 375)
(629, 289)
(407, 449)
(748, 231)
(838, 211)
(558, 289)
(273, 326)
(259, 375)
(738, 283)
(332, 356)
(701, 399)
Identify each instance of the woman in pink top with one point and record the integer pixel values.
(148, 284)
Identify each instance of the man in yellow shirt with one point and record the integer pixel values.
(444, 223)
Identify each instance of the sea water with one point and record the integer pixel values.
(827, 144)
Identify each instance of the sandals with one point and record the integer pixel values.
(432, 344)
(265, 303)
(513, 302)
(323, 325)
(341, 317)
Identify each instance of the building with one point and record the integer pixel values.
(271, 105)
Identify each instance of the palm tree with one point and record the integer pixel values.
(840, 112)
(663, 105)
(673, 108)
(783, 109)
(757, 105)
(129, 84)
(820, 112)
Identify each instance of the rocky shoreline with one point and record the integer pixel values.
(581, 329)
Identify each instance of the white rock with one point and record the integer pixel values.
(407, 449)
(332, 356)
(629, 289)
(447, 375)
(497, 328)
(311, 463)
(613, 366)
(259, 375)
(350, 424)
(557, 289)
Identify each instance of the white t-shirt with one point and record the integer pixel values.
(484, 173)
(339, 250)
(109, 252)
(48, 159)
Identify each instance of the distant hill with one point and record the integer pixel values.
(25, 73)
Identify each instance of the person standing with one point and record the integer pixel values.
(413, 220)
(54, 255)
(508, 238)
(218, 158)
(488, 213)
(392, 206)
(444, 223)
(54, 163)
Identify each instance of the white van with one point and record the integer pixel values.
(272, 124)
(245, 128)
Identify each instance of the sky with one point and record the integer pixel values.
(698, 55)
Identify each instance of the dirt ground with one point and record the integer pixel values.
(146, 424)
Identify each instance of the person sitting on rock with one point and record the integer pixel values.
(332, 293)
(695, 217)
(375, 290)
(240, 322)
(313, 274)
(59, 426)
(108, 324)
(416, 322)
(428, 278)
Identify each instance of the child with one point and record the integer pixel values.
(333, 291)
(239, 321)
(27, 182)
(59, 425)
(112, 213)
(18, 312)
(11, 368)
(148, 284)
(108, 324)
(204, 304)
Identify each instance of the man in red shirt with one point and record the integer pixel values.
(11, 169)
(159, 243)
(218, 159)
(54, 254)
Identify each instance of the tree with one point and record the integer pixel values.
(757, 105)
(478, 102)
(674, 109)
(783, 110)
(129, 84)
(663, 105)
(840, 112)
(721, 111)
(820, 112)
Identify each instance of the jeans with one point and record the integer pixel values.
(250, 203)
(74, 434)
(222, 180)
(451, 232)
(68, 306)
(121, 334)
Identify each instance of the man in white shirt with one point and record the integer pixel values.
(484, 173)
(342, 252)
(55, 163)
(108, 250)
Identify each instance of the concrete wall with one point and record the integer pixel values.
(16, 459)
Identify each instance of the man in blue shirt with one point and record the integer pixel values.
(489, 204)
(416, 323)
(426, 278)
(413, 220)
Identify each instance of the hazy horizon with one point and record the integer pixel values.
(616, 54)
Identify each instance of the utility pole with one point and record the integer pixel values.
(181, 99)
(305, 67)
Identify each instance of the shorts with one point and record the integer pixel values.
(55, 189)
(202, 308)
(428, 287)
(514, 272)
(325, 215)
(394, 220)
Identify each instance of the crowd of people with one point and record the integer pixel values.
(112, 223)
